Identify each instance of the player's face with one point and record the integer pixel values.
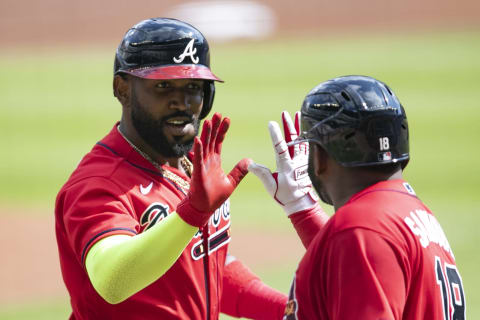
(166, 113)
(316, 180)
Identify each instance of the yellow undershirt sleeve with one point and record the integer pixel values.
(120, 265)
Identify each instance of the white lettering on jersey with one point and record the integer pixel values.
(426, 227)
(189, 51)
(215, 241)
(222, 212)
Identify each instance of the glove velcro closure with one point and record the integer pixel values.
(191, 215)
(308, 201)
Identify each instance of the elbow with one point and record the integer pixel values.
(111, 293)
(113, 298)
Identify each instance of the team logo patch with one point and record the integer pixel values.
(146, 190)
(408, 188)
(385, 156)
(188, 52)
(153, 214)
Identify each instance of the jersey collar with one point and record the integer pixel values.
(117, 144)
(397, 185)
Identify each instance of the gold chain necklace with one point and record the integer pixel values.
(186, 165)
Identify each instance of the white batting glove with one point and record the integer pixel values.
(290, 185)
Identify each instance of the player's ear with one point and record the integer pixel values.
(121, 89)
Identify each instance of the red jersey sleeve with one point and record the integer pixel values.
(308, 223)
(93, 209)
(245, 295)
(368, 279)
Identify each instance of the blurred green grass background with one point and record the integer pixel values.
(55, 105)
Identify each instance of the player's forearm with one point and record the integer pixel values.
(308, 223)
(120, 266)
(245, 295)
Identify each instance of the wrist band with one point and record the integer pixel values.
(191, 215)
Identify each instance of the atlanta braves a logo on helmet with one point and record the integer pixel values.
(153, 214)
(188, 52)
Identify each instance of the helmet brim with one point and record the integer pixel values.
(172, 72)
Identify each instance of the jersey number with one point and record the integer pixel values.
(451, 289)
(384, 143)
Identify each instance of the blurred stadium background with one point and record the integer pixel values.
(56, 62)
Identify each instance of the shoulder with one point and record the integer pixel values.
(362, 213)
(94, 177)
(356, 251)
(380, 210)
(367, 221)
(103, 160)
(98, 164)
(373, 221)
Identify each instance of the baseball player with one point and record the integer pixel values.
(383, 254)
(143, 223)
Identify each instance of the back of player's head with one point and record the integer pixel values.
(167, 49)
(358, 121)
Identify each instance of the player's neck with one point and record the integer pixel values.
(352, 184)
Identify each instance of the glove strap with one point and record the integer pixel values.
(306, 202)
(191, 215)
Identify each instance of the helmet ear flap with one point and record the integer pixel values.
(208, 96)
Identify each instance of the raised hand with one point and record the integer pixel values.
(289, 185)
(210, 186)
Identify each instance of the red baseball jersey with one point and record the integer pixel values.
(114, 190)
(383, 255)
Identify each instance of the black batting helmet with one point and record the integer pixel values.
(358, 120)
(164, 48)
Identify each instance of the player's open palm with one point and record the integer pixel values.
(290, 185)
(210, 186)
